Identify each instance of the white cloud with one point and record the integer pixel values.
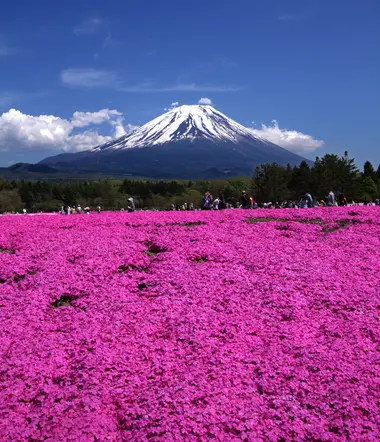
(129, 128)
(205, 101)
(120, 129)
(289, 139)
(172, 106)
(83, 119)
(89, 26)
(22, 132)
(86, 140)
(90, 78)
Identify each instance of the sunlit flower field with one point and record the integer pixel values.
(237, 325)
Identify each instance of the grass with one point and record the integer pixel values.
(285, 220)
(65, 300)
(124, 268)
(199, 259)
(340, 224)
(7, 251)
(154, 249)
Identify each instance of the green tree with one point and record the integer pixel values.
(269, 183)
(10, 201)
(368, 170)
(300, 181)
(377, 174)
(368, 189)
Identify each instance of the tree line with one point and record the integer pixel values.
(270, 182)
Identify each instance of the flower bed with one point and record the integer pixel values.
(234, 325)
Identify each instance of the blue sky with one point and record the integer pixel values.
(74, 74)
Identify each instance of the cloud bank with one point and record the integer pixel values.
(289, 139)
(22, 132)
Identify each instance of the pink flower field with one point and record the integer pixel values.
(190, 326)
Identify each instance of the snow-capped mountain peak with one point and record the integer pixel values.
(187, 122)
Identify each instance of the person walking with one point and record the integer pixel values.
(207, 201)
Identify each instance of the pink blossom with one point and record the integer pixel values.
(153, 326)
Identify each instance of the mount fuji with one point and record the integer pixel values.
(187, 142)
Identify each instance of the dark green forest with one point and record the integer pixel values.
(270, 182)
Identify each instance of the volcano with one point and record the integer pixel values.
(188, 142)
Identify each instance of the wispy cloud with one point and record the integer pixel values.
(109, 42)
(89, 26)
(184, 87)
(95, 78)
(90, 78)
(288, 17)
(7, 50)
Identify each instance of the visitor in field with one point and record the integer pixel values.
(244, 200)
(222, 200)
(303, 203)
(131, 205)
(331, 199)
(309, 200)
(216, 204)
(253, 203)
(207, 201)
(99, 209)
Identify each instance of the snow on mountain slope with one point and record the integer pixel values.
(184, 123)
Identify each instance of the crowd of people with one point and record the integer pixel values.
(68, 210)
(246, 202)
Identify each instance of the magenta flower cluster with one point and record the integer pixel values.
(188, 326)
